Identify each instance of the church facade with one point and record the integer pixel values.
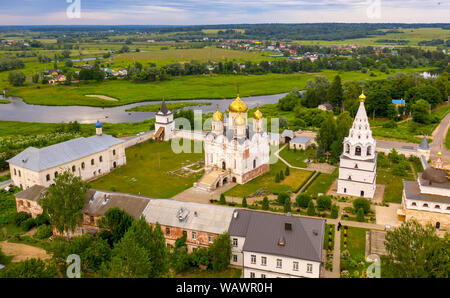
(358, 162)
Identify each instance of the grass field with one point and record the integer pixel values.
(4, 101)
(186, 87)
(147, 171)
(322, 183)
(356, 246)
(162, 57)
(297, 158)
(267, 180)
(171, 106)
(394, 184)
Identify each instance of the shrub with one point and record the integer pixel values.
(222, 200)
(277, 178)
(265, 203)
(311, 211)
(28, 224)
(324, 202)
(287, 206)
(42, 219)
(21, 217)
(282, 198)
(302, 200)
(43, 232)
(281, 176)
(244, 202)
(362, 203)
(334, 211)
(360, 215)
(390, 124)
(287, 172)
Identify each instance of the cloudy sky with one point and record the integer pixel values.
(194, 12)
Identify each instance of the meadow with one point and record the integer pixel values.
(170, 105)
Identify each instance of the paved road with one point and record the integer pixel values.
(438, 143)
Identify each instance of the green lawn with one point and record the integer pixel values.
(197, 273)
(297, 158)
(145, 175)
(4, 101)
(356, 246)
(170, 105)
(322, 183)
(185, 87)
(394, 184)
(267, 180)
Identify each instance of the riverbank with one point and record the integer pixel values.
(181, 88)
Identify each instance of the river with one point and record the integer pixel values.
(18, 110)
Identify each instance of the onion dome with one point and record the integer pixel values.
(98, 124)
(257, 114)
(434, 175)
(217, 116)
(238, 106)
(239, 120)
(362, 97)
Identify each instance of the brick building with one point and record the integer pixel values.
(27, 200)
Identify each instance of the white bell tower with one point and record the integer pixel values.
(358, 162)
(164, 124)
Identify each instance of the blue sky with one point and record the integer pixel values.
(194, 12)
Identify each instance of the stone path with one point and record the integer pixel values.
(438, 143)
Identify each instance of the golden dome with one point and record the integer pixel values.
(239, 120)
(257, 114)
(218, 116)
(238, 106)
(362, 97)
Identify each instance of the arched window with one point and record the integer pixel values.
(56, 174)
(20, 174)
(82, 165)
(47, 177)
(437, 207)
(92, 162)
(100, 158)
(425, 205)
(114, 164)
(114, 152)
(15, 172)
(414, 204)
(356, 165)
(369, 150)
(448, 208)
(254, 163)
(347, 148)
(358, 151)
(73, 168)
(349, 177)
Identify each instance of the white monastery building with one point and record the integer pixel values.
(358, 162)
(84, 157)
(268, 245)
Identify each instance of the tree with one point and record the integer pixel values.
(327, 133)
(335, 93)
(311, 211)
(244, 202)
(64, 202)
(220, 252)
(421, 112)
(362, 203)
(142, 252)
(282, 198)
(16, 78)
(277, 178)
(302, 200)
(415, 251)
(360, 215)
(114, 224)
(93, 251)
(286, 172)
(30, 268)
(324, 202)
(265, 203)
(281, 175)
(287, 206)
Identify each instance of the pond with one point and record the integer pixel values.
(18, 110)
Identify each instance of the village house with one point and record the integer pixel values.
(325, 107)
(302, 143)
(269, 245)
(201, 222)
(84, 157)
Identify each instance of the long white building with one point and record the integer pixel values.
(358, 162)
(84, 157)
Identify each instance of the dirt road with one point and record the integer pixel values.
(22, 252)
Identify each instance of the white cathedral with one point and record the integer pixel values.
(358, 162)
(234, 149)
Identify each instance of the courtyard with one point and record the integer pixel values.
(153, 170)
